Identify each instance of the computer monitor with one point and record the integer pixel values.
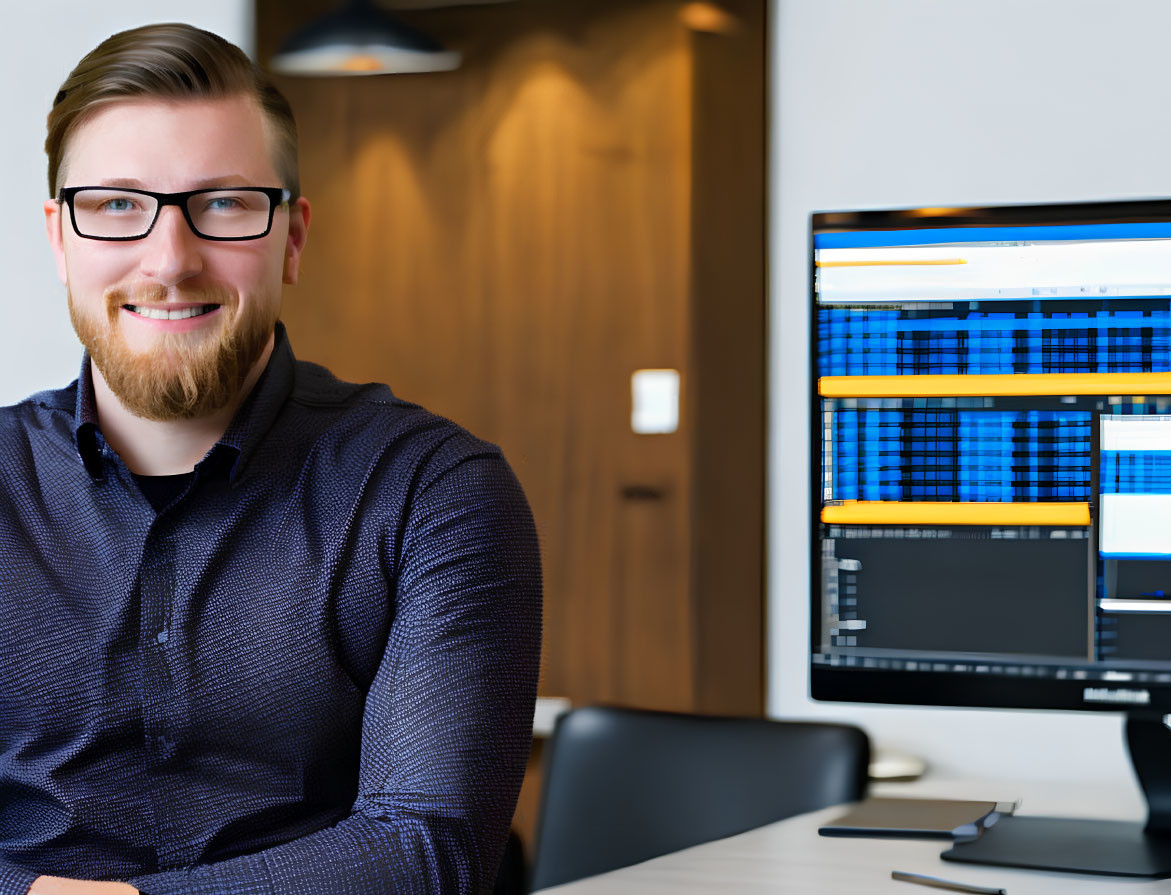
(992, 481)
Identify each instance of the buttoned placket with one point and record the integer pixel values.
(156, 582)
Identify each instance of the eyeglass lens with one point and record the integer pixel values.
(225, 214)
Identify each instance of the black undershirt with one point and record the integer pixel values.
(160, 490)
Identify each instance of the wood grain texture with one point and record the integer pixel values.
(728, 351)
(505, 244)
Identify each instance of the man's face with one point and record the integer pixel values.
(124, 297)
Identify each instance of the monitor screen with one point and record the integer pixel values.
(992, 456)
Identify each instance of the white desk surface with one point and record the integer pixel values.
(790, 858)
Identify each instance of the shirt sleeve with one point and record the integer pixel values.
(15, 880)
(448, 718)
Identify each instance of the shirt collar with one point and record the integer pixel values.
(90, 443)
(262, 406)
(238, 443)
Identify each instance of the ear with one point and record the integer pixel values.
(299, 214)
(54, 220)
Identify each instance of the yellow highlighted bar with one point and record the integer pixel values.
(1008, 384)
(930, 262)
(896, 512)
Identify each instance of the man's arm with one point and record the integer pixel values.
(448, 718)
(57, 885)
(16, 880)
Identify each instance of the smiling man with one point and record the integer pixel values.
(262, 631)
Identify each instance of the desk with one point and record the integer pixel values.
(790, 858)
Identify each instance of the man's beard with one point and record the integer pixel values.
(182, 375)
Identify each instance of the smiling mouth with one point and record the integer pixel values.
(154, 312)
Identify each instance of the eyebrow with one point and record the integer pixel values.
(134, 183)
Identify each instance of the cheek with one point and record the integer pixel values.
(248, 273)
(90, 271)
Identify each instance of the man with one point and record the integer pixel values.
(262, 631)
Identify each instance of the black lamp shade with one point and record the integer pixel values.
(358, 39)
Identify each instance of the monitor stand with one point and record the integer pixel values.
(1114, 848)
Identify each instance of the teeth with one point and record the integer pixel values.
(157, 313)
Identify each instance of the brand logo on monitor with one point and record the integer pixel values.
(1123, 697)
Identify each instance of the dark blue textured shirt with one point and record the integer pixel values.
(313, 671)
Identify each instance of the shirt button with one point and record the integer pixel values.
(161, 637)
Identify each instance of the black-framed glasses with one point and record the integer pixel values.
(121, 213)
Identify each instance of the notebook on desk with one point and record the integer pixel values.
(916, 818)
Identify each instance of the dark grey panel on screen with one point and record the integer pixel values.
(1137, 578)
(1136, 635)
(971, 595)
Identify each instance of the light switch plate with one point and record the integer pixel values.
(654, 402)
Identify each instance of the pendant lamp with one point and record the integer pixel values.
(359, 39)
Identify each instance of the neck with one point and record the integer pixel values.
(171, 447)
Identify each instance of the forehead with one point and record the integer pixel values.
(169, 144)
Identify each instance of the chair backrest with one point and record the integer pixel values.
(624, 785)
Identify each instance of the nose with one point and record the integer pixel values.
(172, 253)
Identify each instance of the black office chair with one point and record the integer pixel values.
(623, 785)
(513, 876)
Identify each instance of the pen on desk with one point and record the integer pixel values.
(937, 883)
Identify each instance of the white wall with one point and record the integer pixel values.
(44, 41)
(893, 103)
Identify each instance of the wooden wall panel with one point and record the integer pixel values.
(505, 244)
(728, 360)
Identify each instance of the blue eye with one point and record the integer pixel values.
(223, 203)
(114, 205)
